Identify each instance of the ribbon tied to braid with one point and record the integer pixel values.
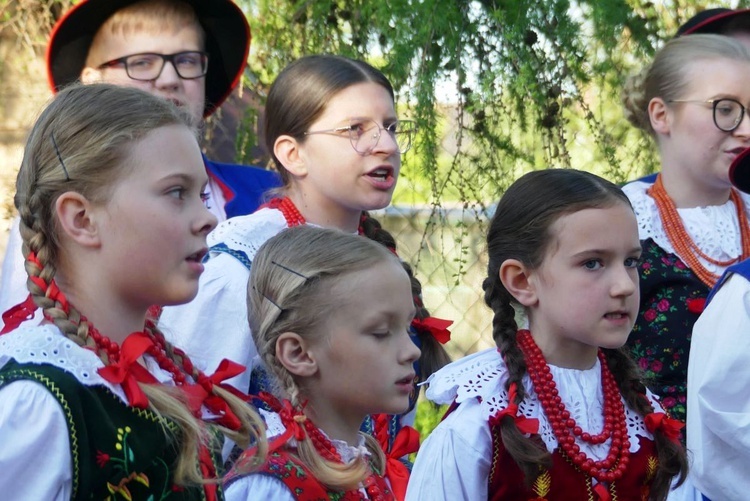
(668, 426)
(21, 312)
(202, 394)
(524, 424)
(404, 443)
(291, 417)
(437, 327)
(128, 372)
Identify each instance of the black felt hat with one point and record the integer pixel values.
(710, 21)
(227, 43)
(739, 171)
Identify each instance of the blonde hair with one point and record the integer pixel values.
(666, 76)
(147, 16)
(290, 291)
(81, 143)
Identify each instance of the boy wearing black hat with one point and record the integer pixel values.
(191, 52)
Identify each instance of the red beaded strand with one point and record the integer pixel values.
(565, 427)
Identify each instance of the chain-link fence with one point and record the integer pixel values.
(448, 251)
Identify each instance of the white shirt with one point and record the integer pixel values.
(718, 413)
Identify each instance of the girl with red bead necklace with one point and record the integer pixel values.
(94, 403)
(330, 314)
(331, 127)
(558, 411)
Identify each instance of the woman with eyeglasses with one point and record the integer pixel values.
(693, 224)
(332, 129)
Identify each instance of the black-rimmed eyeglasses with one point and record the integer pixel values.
(149, 65)
(364, 134)
(728, 113)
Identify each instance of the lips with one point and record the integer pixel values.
(197, 257)
(408, 379)
(381, 174)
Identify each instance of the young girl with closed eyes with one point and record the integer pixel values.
(331, 315)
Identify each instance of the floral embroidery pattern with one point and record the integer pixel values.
(671, 297)
(123, 463)
(542, 486)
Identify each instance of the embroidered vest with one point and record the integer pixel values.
(117, 451)
(303, 486)
(565, 482)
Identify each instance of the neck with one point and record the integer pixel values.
(567, 355)
(324, 212)
(338, 426)
(686, 194)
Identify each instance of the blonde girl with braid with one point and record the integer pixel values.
(332, 129)
(558, 411)
(331, 315)
(94, 403)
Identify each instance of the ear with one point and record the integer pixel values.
(90, 75)
(292, 352)
(75, 214)
(517, 280)
(660, 116)
(289, 152)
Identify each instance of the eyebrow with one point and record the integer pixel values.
(602, 252)
(178, 176)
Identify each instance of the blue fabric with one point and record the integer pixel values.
(247, 183)
(238, 255)
(742, 268)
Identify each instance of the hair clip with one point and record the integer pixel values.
(290, 270)
(269, 299)
(59, 157)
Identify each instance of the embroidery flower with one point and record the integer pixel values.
(102, 459)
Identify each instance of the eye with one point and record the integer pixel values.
(381, 335)
(178, 192)
(357, 129)
(143, 61)
(633, 262)
(592, 264)
(188, 59)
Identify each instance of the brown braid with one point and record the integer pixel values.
(433, 356)
(672, 457)
(529, 455)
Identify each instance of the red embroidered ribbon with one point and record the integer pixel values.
(128, 372)
(438, 327)
(18, 314)
(209, 472)
(406, 442)
(602, 493)
(201, 394)
(524, 424)
(660, 421)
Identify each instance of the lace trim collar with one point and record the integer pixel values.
(482, 376)
(45, 344)
(715, 228)
(348, 453)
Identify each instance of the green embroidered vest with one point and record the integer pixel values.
(117, 451)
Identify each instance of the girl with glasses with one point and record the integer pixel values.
(332, 129)
(693, 224)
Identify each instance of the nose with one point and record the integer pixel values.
(386, 143)
(168, 78)
(625, 282)
(409, 352)
(205, 222)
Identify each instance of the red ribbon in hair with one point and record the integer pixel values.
(668, 426)
(128, 372)
(437, 327)
(291, 418)
(524, 424)
(201, 394)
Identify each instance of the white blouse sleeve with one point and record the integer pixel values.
(35, 460)
(257, 486)
(13, 279)
(453, 463)
(718, 419)
(214, 325)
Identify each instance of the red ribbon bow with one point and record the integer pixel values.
(524, 424)
(291, 418)
(128, 372)
(660, 421)
(201, 394)
(406, 442)
(438, 327)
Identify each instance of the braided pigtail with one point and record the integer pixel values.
(671, 455)
(433, 356)
(529, 455)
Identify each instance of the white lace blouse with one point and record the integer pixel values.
(714, 228)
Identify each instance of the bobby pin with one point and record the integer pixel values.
(289, 270)
(269, 300)
(59, 157)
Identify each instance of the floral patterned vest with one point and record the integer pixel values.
(117, 451)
